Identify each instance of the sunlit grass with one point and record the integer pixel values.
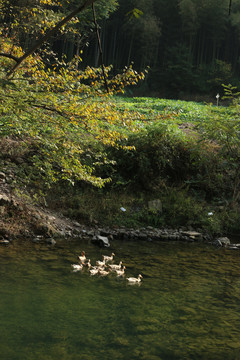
(183, 111)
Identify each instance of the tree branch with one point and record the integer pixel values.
(10, 56)
(49, 34)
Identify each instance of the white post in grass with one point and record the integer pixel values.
(217, 97)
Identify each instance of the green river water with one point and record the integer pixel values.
(187, 306)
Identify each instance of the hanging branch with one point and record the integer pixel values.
(48, 35)
(230, 7)
(10, 56)
(100, 47)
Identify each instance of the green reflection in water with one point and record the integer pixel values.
(187, 306)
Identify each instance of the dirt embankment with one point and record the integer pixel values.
(21, 219)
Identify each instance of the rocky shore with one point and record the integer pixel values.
(37, 224)
(22, 219)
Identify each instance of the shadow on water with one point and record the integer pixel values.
(187, 306)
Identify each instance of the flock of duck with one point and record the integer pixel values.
(104, 267)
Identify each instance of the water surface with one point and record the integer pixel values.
(187, 306)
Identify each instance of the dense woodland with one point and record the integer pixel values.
(190, 46)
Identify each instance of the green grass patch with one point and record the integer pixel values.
(182, 111)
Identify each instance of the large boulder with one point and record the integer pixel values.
(101, 241)
(222, 241)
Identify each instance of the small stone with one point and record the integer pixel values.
(50, 241)
(37, 216)
(51, 218)
(224, 241)
(4, 199)
(4, 242)
(233, 247)
(68, 233)
(61, 233)
(37, 239)
(76, 223)
(142, 236)
(192, 234)
(76, 231)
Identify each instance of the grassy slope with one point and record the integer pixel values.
(154, 171)
(186, 111)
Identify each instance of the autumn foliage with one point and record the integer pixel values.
(65, 111)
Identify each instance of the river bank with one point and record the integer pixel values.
(22, 219)
(175, 184)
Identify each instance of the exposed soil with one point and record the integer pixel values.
(21, 219)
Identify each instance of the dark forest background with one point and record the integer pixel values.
(190, 46)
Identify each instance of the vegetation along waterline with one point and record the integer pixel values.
(177, 167)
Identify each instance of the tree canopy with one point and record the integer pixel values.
(63, 111)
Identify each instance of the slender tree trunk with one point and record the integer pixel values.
(202, 49)
(130, 49)
(100, 47)
(214, 51)
(78, 41)
(96, 55)
(114, 46)
(230, 7)
(199, 48)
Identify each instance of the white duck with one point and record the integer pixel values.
(103, 272)
(77, 267)
(115, 266)
(82, 257)
(121, 272)
(93, 271)
(88, 264)
(133, 280)
(108, 258)
(100, 263)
